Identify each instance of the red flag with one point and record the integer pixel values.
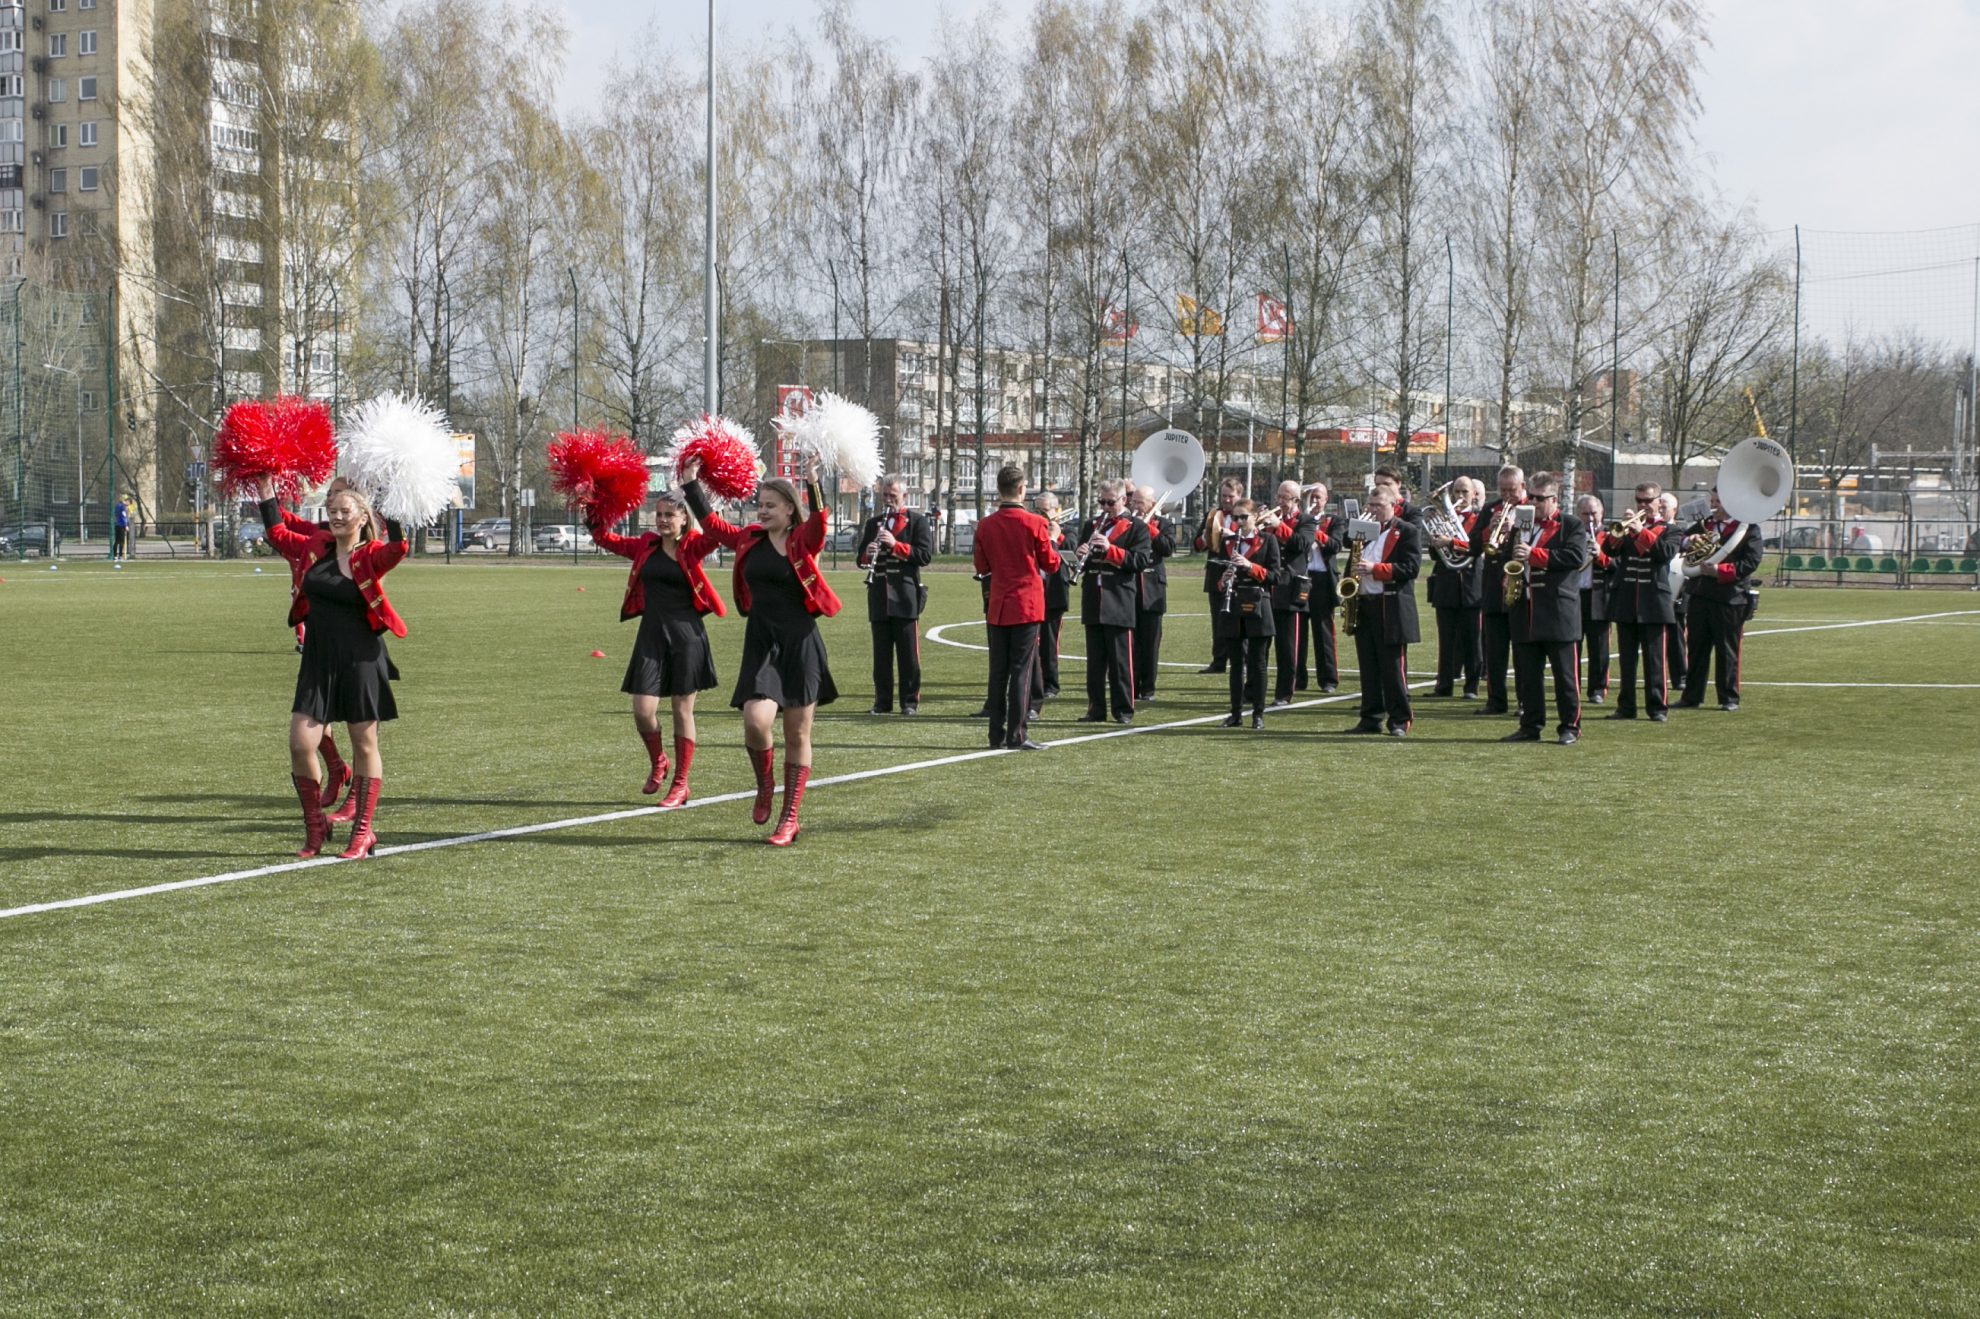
(1274, 325)
(1117, 325)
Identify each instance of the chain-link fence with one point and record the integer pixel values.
(59, 484)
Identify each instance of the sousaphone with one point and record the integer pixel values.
(1756, 480)
(1170, 462)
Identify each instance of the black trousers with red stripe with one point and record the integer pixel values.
(1109, 669)
(1248, 672)
(1147, 651)
(1497, 630)
(1716, 631)
(1648, 644)
(1677, 649)
(1530, 661)
(1384, 677)
(1288, 647)
(1320, 626)
(1013, 667)
(1045, 673)
(1460, 648)
(1595, 644)
(896, 641)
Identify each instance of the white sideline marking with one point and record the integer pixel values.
(577, 822)
(935, 634)
(1868, 622)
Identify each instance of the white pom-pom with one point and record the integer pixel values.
(397, 450)
(843, 434)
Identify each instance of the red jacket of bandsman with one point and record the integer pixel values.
(370, 561)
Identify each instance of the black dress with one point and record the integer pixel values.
(670, 656)
(346, 675)
(783, 657)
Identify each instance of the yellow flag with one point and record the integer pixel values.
(1193, 319)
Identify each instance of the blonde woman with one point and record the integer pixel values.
(345, 675)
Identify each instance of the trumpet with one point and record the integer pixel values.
(1498, 536)
(1632, 524)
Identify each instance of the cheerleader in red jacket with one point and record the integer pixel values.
(345, 673)
(779, 589)
(336, 774)
(668, 592)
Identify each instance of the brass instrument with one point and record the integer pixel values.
(1702, 548)
(1350, 587)
(1499, 535)
(1447, 525)
(1513, 577)
(1632, 524)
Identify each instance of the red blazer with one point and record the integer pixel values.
(1014, 546)
(694, 547)
(369, 564)
(807, 538)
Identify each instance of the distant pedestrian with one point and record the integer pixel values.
(120, 545)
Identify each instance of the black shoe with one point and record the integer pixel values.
(1569, 738)
(1027, 745)
(888, 709)
(984, 713)
(1232, 720)
(1091, 717)
(1522, 735)
(1257, 722)
(1730, 706)
(1281, 702)
(1366, 726)
(1660, 718)
(1124, 718)
(1050, 692)
(1471, 696)
(1211, 668)
(1686, 704)
(1443, 692)
(1620, 714)
(907, 711)
(1489, 709)
(1140, 697)
(1398, 731)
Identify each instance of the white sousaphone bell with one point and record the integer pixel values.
(1170, 462)
(1756, 480)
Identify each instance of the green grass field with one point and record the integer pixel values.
(1681, 1020)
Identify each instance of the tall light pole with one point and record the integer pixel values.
(711, 384)
(82, 532)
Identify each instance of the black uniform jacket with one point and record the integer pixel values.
(1154, 583)
(1295, 538)
(1551, 609)
(1394, 611)
(1726, 581)
(1491, 571)
(1058, 585)
(1329, 534)
(1107, 591)
(895, 591)
(1252, 589)
(1639, 589)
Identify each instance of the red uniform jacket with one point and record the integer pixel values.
(807, 538)
(1014, 546)
(694, 547)
(369, 564)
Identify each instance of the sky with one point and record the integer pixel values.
(1838, 115)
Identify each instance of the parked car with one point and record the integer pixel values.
(1800, 538)
(559, 537)
(29, 539)
(252, 538)
(487, 534)
(841, 539)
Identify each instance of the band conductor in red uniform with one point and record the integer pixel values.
(1013, 548)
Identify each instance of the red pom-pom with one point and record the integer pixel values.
(599, 471)
(729, 460)
(288, 440)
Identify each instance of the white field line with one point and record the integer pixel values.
(1868, 622)
(578, 822)
(934, 634)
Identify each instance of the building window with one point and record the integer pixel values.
(58, 180)
(58, 89)
(58, 224)
(10, 222)
(10, 85)
(86, 45)
(89, 400)
(86, 89)
(87, 136)
(89, 180)
(10, 41)
(85, 4)
(57, 6)
(58, 45)
(58, 135)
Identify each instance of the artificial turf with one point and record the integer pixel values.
(1680, 1020)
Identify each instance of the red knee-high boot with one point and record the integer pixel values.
(677, 791)
(761, 762)
(335, 772)
(364, 792)
(656, 748)
(787, 828)
(317, 829)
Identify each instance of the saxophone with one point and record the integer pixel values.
(1350, 588)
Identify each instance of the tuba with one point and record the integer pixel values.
(1756, 479)
(1447, 524)
(1170, 462)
